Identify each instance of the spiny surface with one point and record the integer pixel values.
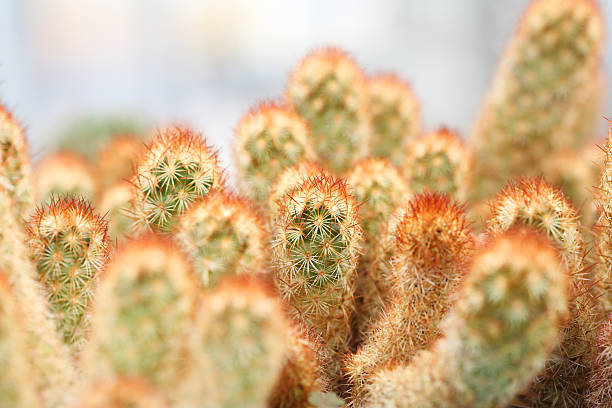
(600, 393)
(603, 198)
(290, 179)
(116, 159)
(121, 392)
(64, 173)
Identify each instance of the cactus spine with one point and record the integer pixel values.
(222, 236)
(316, 245)
(176, 169)
(603, 197)
(600, 393)
(290, 179)
(69, 245)
(395, 116)
(329, 90)
(64, 173)
(269, 139)
(121, 392)
(505, 322)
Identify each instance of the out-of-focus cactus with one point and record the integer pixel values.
(600, 393)
(329, 90)
(176, 169)
(542, 92)
(64, 173)
(16, 386)
(316, 246)
(121, 392)
(535, 203)
(395, 117)
(269, 139)
(15, 168)
(420, 263)
(142, 315)
(603, 198)
(439, 161)
(115, 203)
(504, 324)
(116, 160)
(223, 236)
(239, 344)
(289, 179)
(69, 245)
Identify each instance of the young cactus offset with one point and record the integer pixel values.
(115, 161)
(395, 115)
(316, 245)
(176, 169)
(600, 393)
(64, 173)
(121, 392)
(329, 90)
(269, 139)
(223, 236)
(505, 322)
(142, 315)
(541, 93)
(15, 168)
(439, 161)
(239, 344)
(420, 262)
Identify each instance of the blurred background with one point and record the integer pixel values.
(206, 62)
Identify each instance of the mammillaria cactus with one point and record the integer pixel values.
(439, 161)
(329, 90)
(290, 179)
(115, 160)
(316, 245)
(240, 344)
(269, 139)
(603, 198)
(121, 392)
(540, 93)
(222, 236)
(419, 265)
(64, 173)
(142, 313)
(176, 169)
(506, 320)
(600, 393)
(69, 245)
(395, 115)
(15, 168)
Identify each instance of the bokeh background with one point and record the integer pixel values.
(206, 62)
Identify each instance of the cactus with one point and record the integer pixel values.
(395, 115)
(141, 316)
(269, 139)
(316, 245)
(115, 203)
(116, 159)
(420, 263)
(15, 168)
(64, 173)
(329, 90)
(121, 392)
(69, 245)
(535, 203)
(439, 161)
(503, 326)
(603, 199)
(176, 169)
(541, 94)
(222, 236)
(600, 393)
(289, 179)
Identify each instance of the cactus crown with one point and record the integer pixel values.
(289, 179)
(439, 161)
(269, 139)
(223, 236)
(395, 116)
(64, 173)
(70, 246)
(121, 392)
(176, 169)
(328, 89)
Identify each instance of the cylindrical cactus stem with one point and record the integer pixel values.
(600, 392)
(15, 167)
(505, 321)
(64, 173)
(142, 314)
(329, 90)
(439, 161)
(535, 203)
(268, 140)
(239, 344)
(223, 236)
(121, 392)
(290, 179)
(541, 93)
(177, 168)
(116, 160)
(115, 202)
(603, 199)
(422, 258)
(69, 245)
(395, 116)
(317, 240)
(17, 390)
